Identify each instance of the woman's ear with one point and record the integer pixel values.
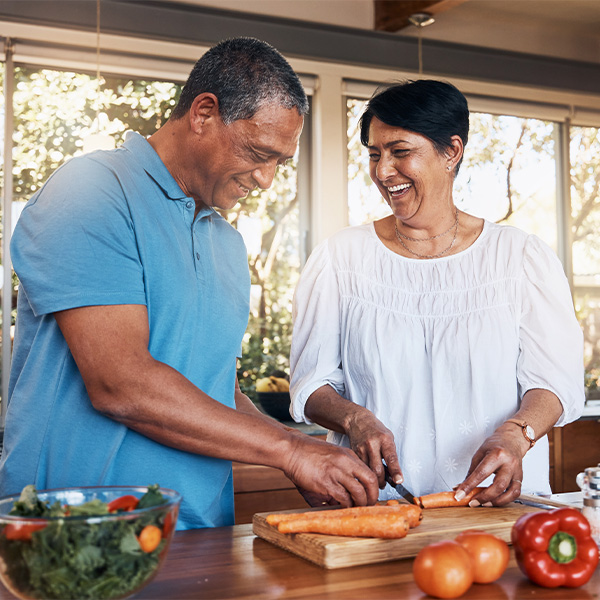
(454, 152)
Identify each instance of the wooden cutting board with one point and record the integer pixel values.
(333, 552)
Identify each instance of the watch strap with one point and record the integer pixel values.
(524, 426)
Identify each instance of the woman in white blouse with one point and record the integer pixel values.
(438, 342)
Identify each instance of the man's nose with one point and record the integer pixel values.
(265, 174)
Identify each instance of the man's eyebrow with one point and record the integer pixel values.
(390, 144)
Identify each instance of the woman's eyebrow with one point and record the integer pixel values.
(390, 144)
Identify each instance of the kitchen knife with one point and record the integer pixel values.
(399, 487)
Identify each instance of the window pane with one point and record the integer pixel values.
(585, 219)
(508, 174)
(364, 200)
(269, 223)
(585, 204)
(56, 110)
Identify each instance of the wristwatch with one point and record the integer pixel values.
(527, 430)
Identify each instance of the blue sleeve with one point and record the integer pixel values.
(74, 244)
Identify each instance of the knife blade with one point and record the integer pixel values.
(399, 487)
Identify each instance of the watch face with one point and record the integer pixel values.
(529, 432)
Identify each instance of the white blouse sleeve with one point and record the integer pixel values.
(551, 340)
(315, 353)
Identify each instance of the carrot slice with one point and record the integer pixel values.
(378, 526)
(410, 512)
(445, 499)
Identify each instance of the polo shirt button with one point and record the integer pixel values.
(198, 255)
(189, 204)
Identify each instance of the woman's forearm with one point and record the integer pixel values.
(539, 408)
(327, 408)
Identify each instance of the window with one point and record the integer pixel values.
(54, 111)
(269, 222)
(585, 221)
(509, 175)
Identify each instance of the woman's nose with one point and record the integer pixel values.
(385, 168)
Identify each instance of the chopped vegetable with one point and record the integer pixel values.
(555, 548)
(445, 499)
(71, 558)
(123, 503)
(379, 526)
(150, 538)
(412, 513)
(21, 531)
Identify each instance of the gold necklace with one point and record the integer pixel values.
(454, 226)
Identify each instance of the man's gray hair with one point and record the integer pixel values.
(244, 74)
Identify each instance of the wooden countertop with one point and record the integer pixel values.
(230, 562)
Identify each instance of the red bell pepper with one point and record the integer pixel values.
(555, 548)
(22, 531)
(123, 504)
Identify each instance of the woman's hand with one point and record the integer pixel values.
(370, 439)
(501, 455)
(373, 443)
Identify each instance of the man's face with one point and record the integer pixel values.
(245, 155)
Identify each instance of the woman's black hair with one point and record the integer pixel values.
(435, 109)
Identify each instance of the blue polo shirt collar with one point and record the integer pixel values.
(151, 162)
(147, 157)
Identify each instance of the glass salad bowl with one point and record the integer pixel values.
(85, 542)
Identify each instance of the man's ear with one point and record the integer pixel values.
(204, 108)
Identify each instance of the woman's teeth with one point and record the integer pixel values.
(399, 188)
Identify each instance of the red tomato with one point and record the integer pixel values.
(443, 570)
(168, 524)
(488, 553)
(22, 531)
(123, 503)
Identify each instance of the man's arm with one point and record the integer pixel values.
(124, 382)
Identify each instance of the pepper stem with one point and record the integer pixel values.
(562, 547)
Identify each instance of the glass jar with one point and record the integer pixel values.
(589, 482)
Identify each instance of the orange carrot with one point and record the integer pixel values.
(445, 499)
(412, 513)
(149, 538)
(379, 526)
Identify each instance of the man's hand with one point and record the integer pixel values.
(330, 473)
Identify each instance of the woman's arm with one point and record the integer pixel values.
(370, 439)
(502, 453)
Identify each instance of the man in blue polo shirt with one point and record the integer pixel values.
(134, 300)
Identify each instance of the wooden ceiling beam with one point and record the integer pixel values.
(392, 15)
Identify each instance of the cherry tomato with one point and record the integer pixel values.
(443, 570)
(488, 553)
(123, 503)
(22, 531)
(168, 524)
(149, 538)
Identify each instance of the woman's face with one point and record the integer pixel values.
(410, 173)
